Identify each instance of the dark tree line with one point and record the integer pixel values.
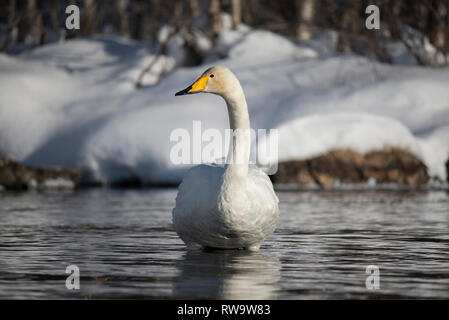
(34, 22)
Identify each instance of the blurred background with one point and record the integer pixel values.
(26, 24)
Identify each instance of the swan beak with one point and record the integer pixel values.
(198, 86)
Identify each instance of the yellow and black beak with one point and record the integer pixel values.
(197, 87)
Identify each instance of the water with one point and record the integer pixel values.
(123, 243)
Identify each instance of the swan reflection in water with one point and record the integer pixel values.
(227, 274)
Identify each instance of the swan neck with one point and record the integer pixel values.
(241, 139)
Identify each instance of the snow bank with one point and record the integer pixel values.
(74, 104)
(317, 134)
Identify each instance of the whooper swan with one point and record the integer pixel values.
(233, 206)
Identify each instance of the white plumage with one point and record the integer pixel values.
(231, 206)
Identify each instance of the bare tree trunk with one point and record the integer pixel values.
(436, 24)
(250, 8)
(306, 13)
(393, 18)
(215, 18)
(54, 8)
(236, 13)
(11, 12)
(349, 26)
(142, 20)
(195, 8)
(150, 23)
(178, 10)
(247, 12)
(90, 15)
(12, 22)
(35, 23)
(122, 7)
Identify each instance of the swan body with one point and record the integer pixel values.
(231, 206)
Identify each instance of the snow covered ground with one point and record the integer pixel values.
(74, 104)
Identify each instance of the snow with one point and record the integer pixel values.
(74, 104)
(435, 146)
(58, 183)
(319, 133)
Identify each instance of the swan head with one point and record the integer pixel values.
(217, 80)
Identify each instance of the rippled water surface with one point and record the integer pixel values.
(123, 243)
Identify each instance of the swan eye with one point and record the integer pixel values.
(211, 75)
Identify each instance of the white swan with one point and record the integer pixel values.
(227, 207)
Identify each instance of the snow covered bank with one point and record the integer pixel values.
(74, 105)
